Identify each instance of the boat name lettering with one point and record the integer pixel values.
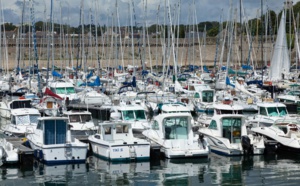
(118, 150)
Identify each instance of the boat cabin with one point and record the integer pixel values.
(115, 131)
(129, 113)
(172, 108)
(173, 125)
(228, 126)
(227, 108)
(63, 89)
(24, 116)
(53, 130)
(288, 127)
(20, 103)
(272, 109)
(78, 116)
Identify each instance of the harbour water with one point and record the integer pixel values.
(273, 169)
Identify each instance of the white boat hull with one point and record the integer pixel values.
(8, 154)
(60, 153)
(121, 152)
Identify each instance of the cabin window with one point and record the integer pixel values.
(74, 118)
(232, 129)
(22, 119)
(282, 111)
(85, 118)
(55, 132)
(107, 130)
(60, 90)
(176, 128)
(39, 125)
(272, 111)
(53, 90)
(70, 90)
(207, 96)
(262, 111)
(155, 125)
(125, 128)
(121, 129)
(213, 125)
(191, 87)
(13, 120)
(140, 114)
(34, 118)
(128, 115)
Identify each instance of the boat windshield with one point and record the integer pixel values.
(294, 93)
(229, 112)
(277, 111)
(140, 114)
(232, 129)
(176, 128)
(65, 90)
(80, 118)
(128, 115)
(207, 96)
(25, 119)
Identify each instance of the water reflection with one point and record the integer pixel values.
(182, 171)
(225, 170)
(216, 170)
(60, 174)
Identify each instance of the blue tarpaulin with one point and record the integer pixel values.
(93, 84)
(56, 74)
(228, 82)
(205, 69)
(89, 75)
(144, 72)
(246, 67)
(223, 68)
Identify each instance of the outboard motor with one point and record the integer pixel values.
(201, 140)
(247, 147)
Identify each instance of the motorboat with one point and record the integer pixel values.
(80, 123)
(132, 113)
(90, 96)
(226, 106)
(173, 133)
(284, 133)
(114, 141)
(268, 113)
(227, 135)
(52, 142)
(21, 120)
(7, 105)
(63, 89)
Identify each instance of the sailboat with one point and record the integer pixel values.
(280, 63)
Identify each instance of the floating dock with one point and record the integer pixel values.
(25, 153)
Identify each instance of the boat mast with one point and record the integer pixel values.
(34, 46)
(262, 43)
(20, 38)
(241, 31)
(78, 40)
(49, 42)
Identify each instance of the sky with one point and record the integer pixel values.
(106, 12)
